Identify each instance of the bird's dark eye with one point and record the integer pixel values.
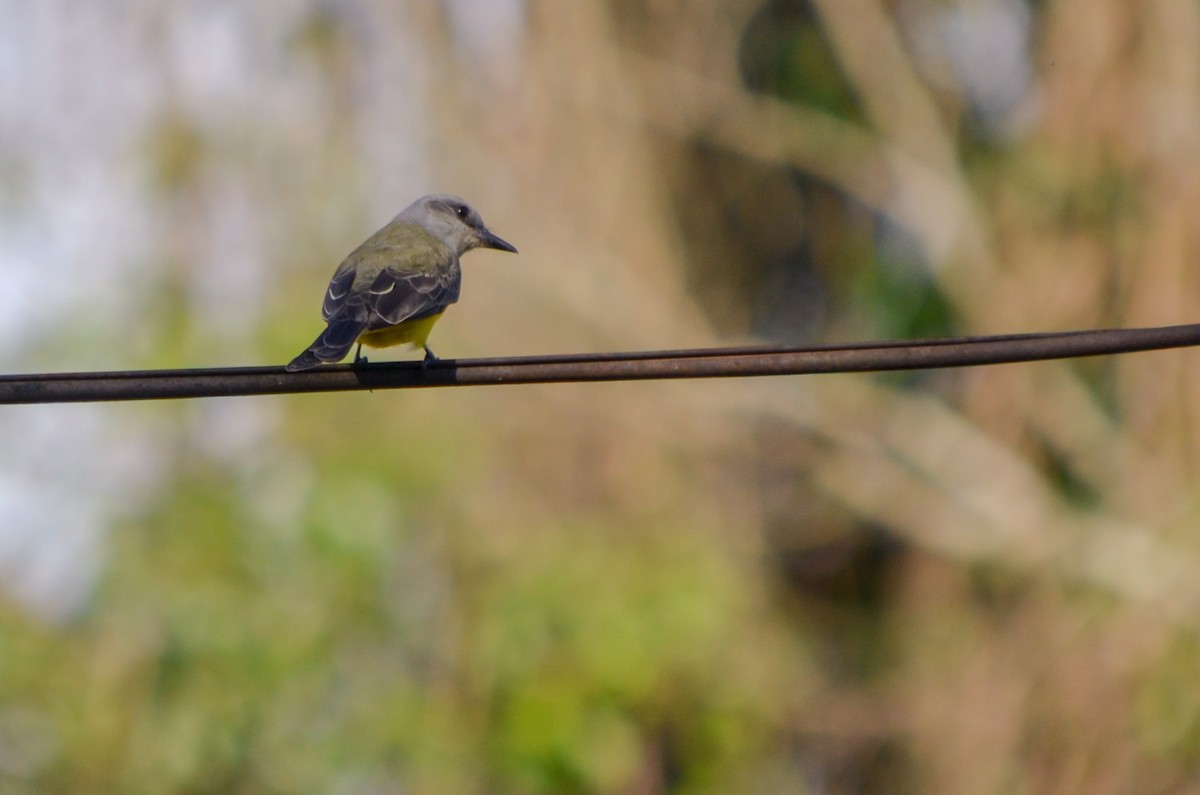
(461, 211)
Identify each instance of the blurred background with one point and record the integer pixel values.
(984, 580)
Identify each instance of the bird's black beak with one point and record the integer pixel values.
(488, 240)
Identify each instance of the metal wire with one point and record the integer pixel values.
(629, 366)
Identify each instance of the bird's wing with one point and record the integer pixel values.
(396, 296)
(339, 289)
(401, 273)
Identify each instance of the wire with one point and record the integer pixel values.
(629, 366)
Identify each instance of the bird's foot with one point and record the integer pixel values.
(429, 359)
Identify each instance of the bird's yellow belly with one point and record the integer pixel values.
(410, 332)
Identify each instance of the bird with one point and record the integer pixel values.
(394, 287)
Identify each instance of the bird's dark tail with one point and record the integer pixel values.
(332, 346)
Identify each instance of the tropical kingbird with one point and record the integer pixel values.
(394, 287)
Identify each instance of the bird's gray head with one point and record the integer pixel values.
(454, 222)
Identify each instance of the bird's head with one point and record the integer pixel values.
(454, 222)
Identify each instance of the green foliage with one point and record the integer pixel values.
(381, 639)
